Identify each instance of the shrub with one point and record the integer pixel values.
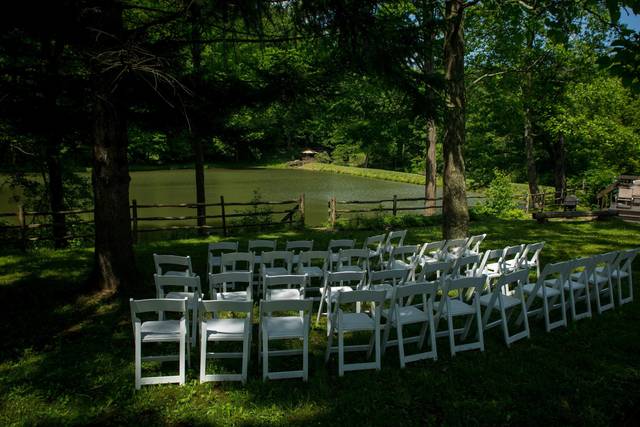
(500, 198)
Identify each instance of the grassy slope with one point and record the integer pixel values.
(66, 355)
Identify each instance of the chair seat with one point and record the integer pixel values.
(190, 296)
(275, 271)
(283, 294)
(408, 315)
(551, 292)
(283, 327)
(336, 289)
(388, 288)
(176, 273)
(572, 284)
(598, 279)
(614, 273)
(357, 322)
(507, 300)
(350, 268)
(160, 330)
(225, 329)
(399, 264)
(311, 271)
(233, 296)
(459, 308)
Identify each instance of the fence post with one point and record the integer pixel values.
(134, 220)
(544, 196)
(332, 212)
(23, 227)
(224, 220)
(301, 207)
(395, 205)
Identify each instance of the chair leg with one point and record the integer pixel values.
(340, 352)
(203, 354)
(377, 341)
(452, 342)
(246, 351)
(265, 356)
(400, 344)
(183, 352)
(138, 361)
(305, 357)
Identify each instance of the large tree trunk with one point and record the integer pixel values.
(454, 198)
(114, 267)
(196, 141)
(527, 93)
(430, 170)
(51, 52)
(559, 171)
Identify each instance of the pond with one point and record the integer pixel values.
(239, 185)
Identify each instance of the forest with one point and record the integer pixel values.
(542, 91)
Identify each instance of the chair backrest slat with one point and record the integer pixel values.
(158, 304)
(184, 262)
(298, 246)
(217, 306)
(268, 307)
(230, 261)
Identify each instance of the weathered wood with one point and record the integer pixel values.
(545, 216)
(395, 205)
(23, 227)
(302, 209)
(224, 220)
(134, 220)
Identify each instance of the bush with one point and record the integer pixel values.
(500, 200)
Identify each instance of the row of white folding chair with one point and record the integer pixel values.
(450, 249)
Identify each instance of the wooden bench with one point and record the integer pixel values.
(543, 217)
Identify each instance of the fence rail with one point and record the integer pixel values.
(29, 221)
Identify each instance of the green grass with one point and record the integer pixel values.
(66, 354)
(410, 178)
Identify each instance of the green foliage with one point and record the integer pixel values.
(258, 215)
(500, 198)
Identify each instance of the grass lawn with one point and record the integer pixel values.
(66, 354)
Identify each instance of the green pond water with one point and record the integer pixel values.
(238, 185)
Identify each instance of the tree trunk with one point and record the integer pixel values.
(114, 266)
(196, 141)
(51, 52)
(430, 173)
(559, 171)
(527, 93)
(430, 167)
(454, 198)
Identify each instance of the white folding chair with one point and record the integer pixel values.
(334, 248)
(237, 261)
(504, 296)
(491, 257)
(275, 263)
(285, 327)
(386, 280)
(529, 259)
(464, 266)
(621, 270)
(180, 287)
(405, 256)
(404, 310)
(260, 246)
(453, 249)
(314, 264)
(435, 272)
(173, 265)
(375, 246)
(453, 304)
(394, 238)
(343, 322)
(576, 283)
(217, 329)
(549, 288)
(221, 283)
(353, 260)
(472, 247)
(294, 287)
(214, 252)
(429, 254)
(340, 281)
(154, 331)
(511, 260)
(601, 284)
(296, 247)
